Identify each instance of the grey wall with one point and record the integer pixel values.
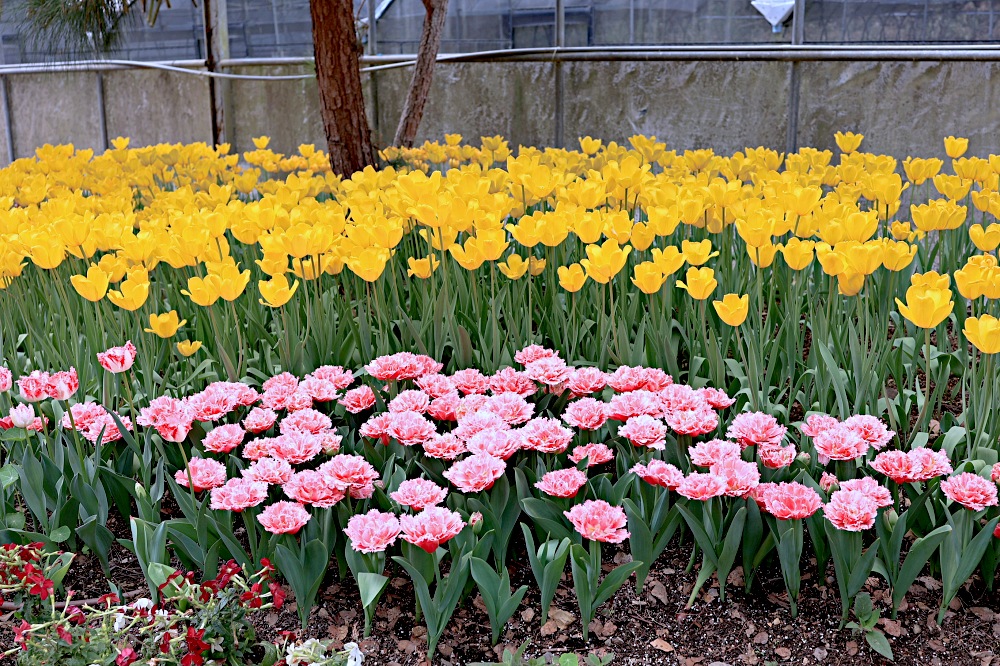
(903, 108)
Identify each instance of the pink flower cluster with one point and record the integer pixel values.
(846, 440)
(40, 385)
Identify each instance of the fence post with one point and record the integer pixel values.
(373, 76)
(216, 19)
(560, 92)
(5, 92)
(795, 80)
(102, 110)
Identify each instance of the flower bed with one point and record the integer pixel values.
(524, 366)
(441, 473)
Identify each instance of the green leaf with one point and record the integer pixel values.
(701, 536)
(99, 539)
(921, 551)
(863, 607)
(878, 642)
(304, 570)
(59, 534)
(614, 580)
(158, 574)
(371, 586)
(8, 475)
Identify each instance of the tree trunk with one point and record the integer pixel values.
(423, 73)
(342, 102)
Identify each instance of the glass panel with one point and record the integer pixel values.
(177, 35)
(270, 28)
(902, 21)
(651, 22)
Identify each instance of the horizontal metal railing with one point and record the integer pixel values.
(749, 52)
(374, 63)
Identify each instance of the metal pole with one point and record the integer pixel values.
(216, 51)
(102, 110)
(560, 83)
(7, 119)
(795, 78)
(373, 76)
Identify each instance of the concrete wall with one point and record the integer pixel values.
(903, 108)
(151, 106)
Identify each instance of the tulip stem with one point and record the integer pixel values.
(927, 386)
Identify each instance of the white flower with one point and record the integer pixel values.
(22, 416)
(356, 656)
(307, 652)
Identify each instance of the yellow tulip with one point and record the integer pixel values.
(492, 243)
(131, 294)
(369, 264)
(901, 231)
(955, 188)
(898, 255)
(514, 268)
(700, 283)
(468, 257)
(165, 325)
(798, 253)
(763, 256)
(605, 261)
(938, 215)
(48, 254)
(572, 277)
(422, 268)
(114, 266)
(93, 286)
(202, 291)
(590, 146)
(850, 283)
(920, 170)
(848, 142)
(536, 266)
(648, 277)
(273, 263)
(589, 227)
(669, 260)
(697, 254)
(188, 347)
(864, 258)
(732, 309)
(955, 147)
(972, 280)
(988, 239)
(662, 220)
(930, 280)
(642, 237)
(232, 282)
(984, 333)
(756, 229)
(276, 291)
(926, 307)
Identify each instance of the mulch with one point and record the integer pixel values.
(652, 627)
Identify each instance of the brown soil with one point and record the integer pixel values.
(654, 627)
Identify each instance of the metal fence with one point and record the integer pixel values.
(553, 43)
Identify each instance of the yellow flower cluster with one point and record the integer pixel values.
(219, 222)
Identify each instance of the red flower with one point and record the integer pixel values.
(127, 656)
(20, 633)
(277, 595)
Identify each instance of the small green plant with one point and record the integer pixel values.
(517, 658)
(867, 618)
